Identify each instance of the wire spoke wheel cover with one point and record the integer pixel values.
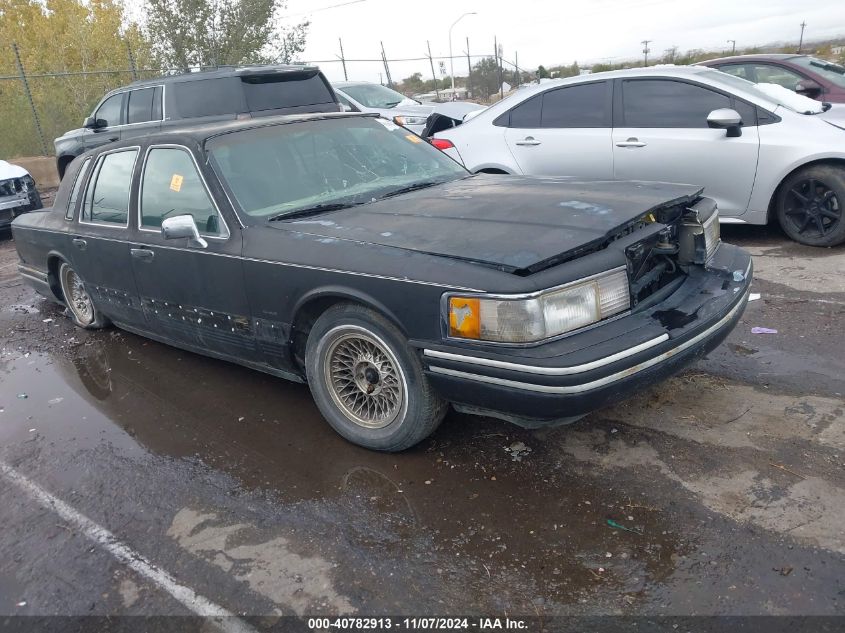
(76, 296)
(364, 377)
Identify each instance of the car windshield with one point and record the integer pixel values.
(830, 71)
(274, 171)
(374, 95)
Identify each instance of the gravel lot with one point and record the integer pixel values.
(730, 480)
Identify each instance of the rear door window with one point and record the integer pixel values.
(271, 92)
(107, 197)
(737, 70)
(111, 111)
(527, 113)
(77, 187)
(585, 105)
(140, 108)
(661, 103)
(172, 186)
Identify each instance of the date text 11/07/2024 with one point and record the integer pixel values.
(421, 623)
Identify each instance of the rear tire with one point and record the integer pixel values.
(82, 309)
(811, 205)
(367, 383)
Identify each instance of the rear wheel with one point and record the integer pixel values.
(77, 299)
(367, 383)
(810, 206)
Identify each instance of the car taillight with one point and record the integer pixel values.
(442, 143)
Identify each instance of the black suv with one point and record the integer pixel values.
(144, 107)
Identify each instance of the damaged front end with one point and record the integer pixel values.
(675, 239)
(17, 196)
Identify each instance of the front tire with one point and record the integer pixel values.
(82, 309)
(366, 382)
(811, 206)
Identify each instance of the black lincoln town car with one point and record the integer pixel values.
(342, 250)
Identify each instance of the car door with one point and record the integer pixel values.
(143, 112)
(191, 294)
(661, 133)
(99, 236)
(110, 116)
(563, 132)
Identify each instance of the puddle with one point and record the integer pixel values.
(473, 495)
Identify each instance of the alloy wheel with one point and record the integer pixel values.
(813, 208)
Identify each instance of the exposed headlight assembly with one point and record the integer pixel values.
(539, 316)
(404, 120)
(699, 235)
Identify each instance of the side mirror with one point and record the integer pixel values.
(345, 107)
(89, 122)
(726, 119)
(182, 226)
(808, 88)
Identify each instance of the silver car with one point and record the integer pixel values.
(761, 155)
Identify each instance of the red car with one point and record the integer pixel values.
(809, 76)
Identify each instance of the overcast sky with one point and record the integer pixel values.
(547, 32)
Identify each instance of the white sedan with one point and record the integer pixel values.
(763, 156)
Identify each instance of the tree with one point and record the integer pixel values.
(63, 36)
(485, 77)
(195, 33)
(542, 73)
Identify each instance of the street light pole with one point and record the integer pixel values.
(451, 61)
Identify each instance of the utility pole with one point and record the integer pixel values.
(646, 50)
(451, 59)
(469, 73)
(499, 65)
(801, 41)
(342, 59)
(386, 68)
(433, 74)
(516, 65)
(733, 46)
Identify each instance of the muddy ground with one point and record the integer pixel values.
(729, 480)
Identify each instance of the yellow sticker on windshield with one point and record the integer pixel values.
(176, 182)
(413, 138)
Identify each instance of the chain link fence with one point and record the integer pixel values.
(39, 107)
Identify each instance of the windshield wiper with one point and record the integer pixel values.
(414, 187)
(392, 104)
(315, 210)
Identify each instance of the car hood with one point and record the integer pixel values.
(515, 224)
(8, 170)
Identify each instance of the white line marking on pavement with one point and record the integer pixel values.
(225, 620)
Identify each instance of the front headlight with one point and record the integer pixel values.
(527, 319)
(401, 119)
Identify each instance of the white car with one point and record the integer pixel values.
(760, 154)
(17, 193)
(363, 96)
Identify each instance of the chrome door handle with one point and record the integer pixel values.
(631, 142)
(80, 243)
(528, 140)
(144, 254)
